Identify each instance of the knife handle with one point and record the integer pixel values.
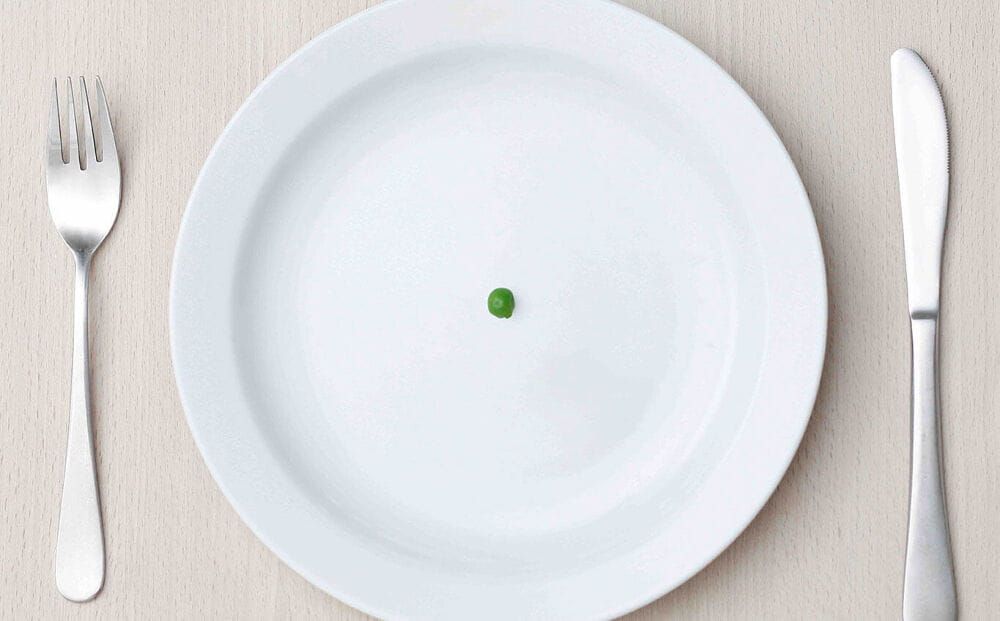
(928, 578)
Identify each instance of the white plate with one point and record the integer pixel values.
(413, 455)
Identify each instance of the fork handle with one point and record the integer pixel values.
(80, 542)
(928, 578)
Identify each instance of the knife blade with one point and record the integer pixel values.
(922, 160)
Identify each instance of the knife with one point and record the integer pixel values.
(922, 160)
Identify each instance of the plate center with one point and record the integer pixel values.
(397, 399)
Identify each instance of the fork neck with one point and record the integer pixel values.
(80, 298)
(83, 261)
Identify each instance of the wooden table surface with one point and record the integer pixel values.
(829, 544)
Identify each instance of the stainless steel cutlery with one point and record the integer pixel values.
(84, 191)
(922, 159)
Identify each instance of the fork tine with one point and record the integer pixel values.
(88, 124)
(55, 151)
(109, 151)
(74, 143)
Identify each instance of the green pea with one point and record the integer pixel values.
(501, 303)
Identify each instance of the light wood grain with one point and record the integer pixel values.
(829, 544)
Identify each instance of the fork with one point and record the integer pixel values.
(84, 192)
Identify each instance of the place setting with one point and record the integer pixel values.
(500, 309)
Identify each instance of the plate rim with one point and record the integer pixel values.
(812, 375)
